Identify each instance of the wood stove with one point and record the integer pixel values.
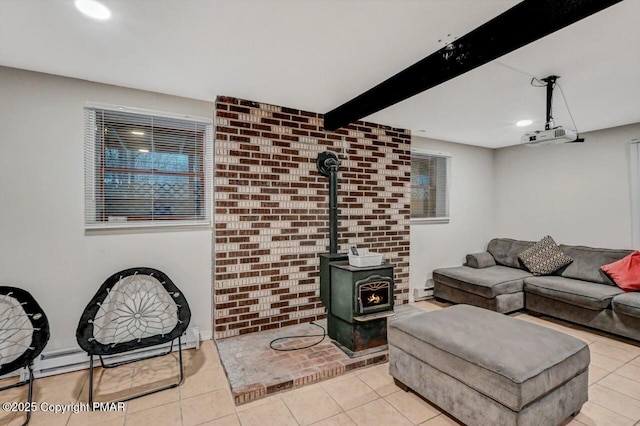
(358, 300)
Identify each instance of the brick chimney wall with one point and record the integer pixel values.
(271, 210)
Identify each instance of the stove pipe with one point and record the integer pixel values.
(328, 164)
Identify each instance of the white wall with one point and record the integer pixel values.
(577, 193)
(471, 212)
(43, 246)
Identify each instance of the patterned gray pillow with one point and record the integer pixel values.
(544, 257)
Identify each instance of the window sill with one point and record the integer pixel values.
(428, 220)
(120, 228)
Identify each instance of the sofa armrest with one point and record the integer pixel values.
(480, 260)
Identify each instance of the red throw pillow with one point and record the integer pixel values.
(625, 272)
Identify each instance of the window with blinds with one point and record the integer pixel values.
(145, 168)
(430, 186)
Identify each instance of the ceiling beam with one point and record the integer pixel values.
(524, 23)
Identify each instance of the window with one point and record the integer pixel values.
(635, 192)
(145, 168)
(430, 186)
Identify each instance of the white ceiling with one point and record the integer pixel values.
(317, 54)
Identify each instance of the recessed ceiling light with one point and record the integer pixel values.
(524, 123)
(93, 9)
(143, 150)
(137, 133)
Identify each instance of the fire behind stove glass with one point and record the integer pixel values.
(373, 296)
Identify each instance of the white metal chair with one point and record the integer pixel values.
(24, 332)
(133, 309)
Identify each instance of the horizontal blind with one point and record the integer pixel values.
(146, 169)
(429, 186)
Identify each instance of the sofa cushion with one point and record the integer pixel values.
(575, 292)
(505, 251)
(627, 304)
(480, 260)
(587, 262)
(625, 272)
(488, 282)
(544, 257)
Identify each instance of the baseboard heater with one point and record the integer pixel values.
(423, 293)
(68, 360)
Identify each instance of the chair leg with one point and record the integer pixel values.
(180, 357)
(29, 382)
(29, 394)
(91, 382)
(174, 385)
(152, 391)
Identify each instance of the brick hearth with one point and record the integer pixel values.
(254, 370)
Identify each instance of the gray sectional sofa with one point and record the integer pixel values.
(579, 293)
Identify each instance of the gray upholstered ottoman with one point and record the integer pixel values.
(486, 368)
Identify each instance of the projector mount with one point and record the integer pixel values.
(551, 82)
(551, 134)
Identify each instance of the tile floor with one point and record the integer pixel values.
(363, 397)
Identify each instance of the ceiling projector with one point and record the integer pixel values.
(552, 136)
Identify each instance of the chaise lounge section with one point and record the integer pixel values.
(492, 280)
(580, 292)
